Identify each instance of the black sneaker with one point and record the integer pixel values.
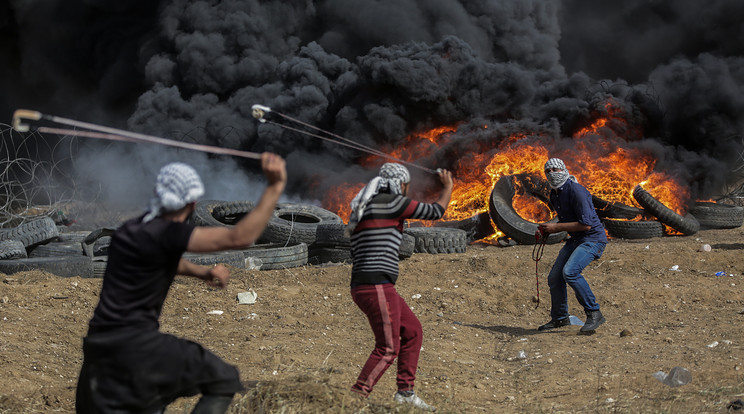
(555, 323)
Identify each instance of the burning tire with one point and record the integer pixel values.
(12, 249)
(61, 266)
(506, 218)
(623, 229)
(278, 255)
(611, 209)
(712, 215)
(297, 223)
(686, 225)
(32, 233)
(438, 239)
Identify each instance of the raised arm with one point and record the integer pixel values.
(446, 178)
(250, 227)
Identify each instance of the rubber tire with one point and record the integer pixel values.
(713, 215)
(476, 227)
(56, 249)
(12, 249)
(297, 223)
(97, 241)
(612, 209)
(435, 240)
(506, 218)
(204, 212)
(231, 258)
(32, 233)
(76, 236)
(69, 266)
(624, 229)
(407, 246)
(99, 266)
(332, 235)
(278, 256)
(687, 225)
(320, 255)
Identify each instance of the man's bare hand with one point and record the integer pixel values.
(218, 276)
(445, 176)
(274, 168)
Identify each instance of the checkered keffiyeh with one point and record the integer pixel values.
(557, 179)
(392, 175)
(176, 186)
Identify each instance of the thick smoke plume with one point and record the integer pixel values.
(378, 71)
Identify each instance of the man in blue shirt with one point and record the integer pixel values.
(576, 215)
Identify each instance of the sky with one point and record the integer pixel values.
(374, 71)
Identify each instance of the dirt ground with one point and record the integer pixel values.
(301, 345)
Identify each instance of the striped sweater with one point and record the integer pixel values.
(375, 242)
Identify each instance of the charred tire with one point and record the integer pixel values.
(12, 249)
(60, 266)
(611, 209)
(56, 249)
(476, 227)
(277, 255)
(32, 233)
(718, 216)
(623, 229)
(407, 246)
(436, 240)
(297, 223)
(320, 255)
(232, 258)
(686, 225)
(506, 218)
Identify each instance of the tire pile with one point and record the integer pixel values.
(620, 221)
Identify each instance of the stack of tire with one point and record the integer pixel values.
(39, 245)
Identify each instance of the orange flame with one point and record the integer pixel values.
(600, 159)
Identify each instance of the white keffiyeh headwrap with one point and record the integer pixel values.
(176, 186)
(391, 176)
(558, 178)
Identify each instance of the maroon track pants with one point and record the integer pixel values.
(397, 334)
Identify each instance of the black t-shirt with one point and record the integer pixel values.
(142, 262)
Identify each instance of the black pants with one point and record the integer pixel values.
(142, 372)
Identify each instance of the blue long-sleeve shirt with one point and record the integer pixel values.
(573, 203)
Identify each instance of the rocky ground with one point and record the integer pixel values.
(302, 344)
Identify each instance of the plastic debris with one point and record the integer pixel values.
(675, 268)
(247, 298)
(416, 296)
(712, 344)
(253, 263)
(575, 320)
(677, 376)
(215, 312)
(522, 355)
(720, 273)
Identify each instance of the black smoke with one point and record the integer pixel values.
(377, 71)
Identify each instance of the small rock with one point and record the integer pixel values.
(705, 248)
(626, 332)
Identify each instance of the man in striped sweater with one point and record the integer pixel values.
(376, 226)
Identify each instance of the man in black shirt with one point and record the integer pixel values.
(129, 366)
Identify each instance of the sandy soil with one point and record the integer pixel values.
(304, 340)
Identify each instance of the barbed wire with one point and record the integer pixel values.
(35, 177)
